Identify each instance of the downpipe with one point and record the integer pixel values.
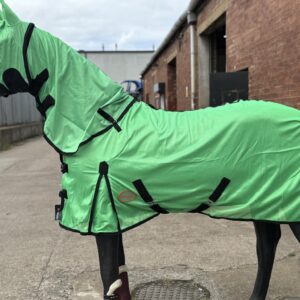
(192, 20)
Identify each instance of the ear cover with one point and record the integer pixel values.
(8, 15)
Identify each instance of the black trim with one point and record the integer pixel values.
(110, 119)
(111, 197)
(142, 190)
(27, 38)
(108, 233)
(216, 194)
(94, 201)
(125, 111)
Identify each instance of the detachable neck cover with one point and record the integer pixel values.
(71, 92)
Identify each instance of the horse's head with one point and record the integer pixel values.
(12, 72)
(69, 90)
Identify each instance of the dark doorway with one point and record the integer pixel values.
(223, 87)
(218, 49)
(172, 86)
(228, 87)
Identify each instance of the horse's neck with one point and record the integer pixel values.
(71, 76)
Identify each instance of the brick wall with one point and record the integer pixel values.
(179, 48)
(264, 36)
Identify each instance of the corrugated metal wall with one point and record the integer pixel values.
(18, 109)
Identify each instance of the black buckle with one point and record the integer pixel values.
(59, 208)
(64, 168)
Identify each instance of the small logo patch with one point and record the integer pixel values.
(127, 196)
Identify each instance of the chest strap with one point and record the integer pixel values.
(140, 187)
(216, 194)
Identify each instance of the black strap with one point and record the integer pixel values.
(216, 194)
(147, 197)
(45, 105)
(125, 111)
(110, 119)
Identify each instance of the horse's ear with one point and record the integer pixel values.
(7, 14)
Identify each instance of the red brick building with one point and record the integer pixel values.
(222, 50)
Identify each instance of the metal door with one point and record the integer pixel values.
(228, 87)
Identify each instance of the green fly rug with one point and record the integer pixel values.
(124, 163)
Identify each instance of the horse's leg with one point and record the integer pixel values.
(123, 291)
(296, 230)
(108, 248)
(267, 237)
(112, 267)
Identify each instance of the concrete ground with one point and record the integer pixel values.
(38, 260)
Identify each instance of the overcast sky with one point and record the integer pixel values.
(88, 24)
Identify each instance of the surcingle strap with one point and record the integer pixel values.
(140, 187)
(216, 194)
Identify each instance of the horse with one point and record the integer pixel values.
(124, 163)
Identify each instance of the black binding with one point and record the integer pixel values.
(95, 200)
(140, 187)
(216, 194)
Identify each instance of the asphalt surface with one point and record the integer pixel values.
(39, 260)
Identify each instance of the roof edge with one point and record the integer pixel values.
(193, 6)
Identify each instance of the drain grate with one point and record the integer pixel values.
(170, 290)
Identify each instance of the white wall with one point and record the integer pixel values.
(120, 65)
